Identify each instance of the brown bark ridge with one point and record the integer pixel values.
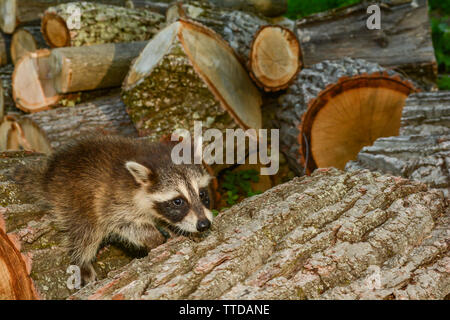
(422, 151)
(405, 27)
(26, 39)
(98, 23)
(335, 108)
(92, 67)
(47, 130)
(33, 231)
(325, 236)
(188, 73)
(271, 52)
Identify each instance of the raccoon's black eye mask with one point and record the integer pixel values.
(174, 210)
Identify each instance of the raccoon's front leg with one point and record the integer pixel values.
(141, 235)
(84, 247)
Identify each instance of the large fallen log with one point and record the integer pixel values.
(335, 108)
(74, 69)
(187, 73)
(305, 240)
(300, 240)
(422, 151)
(98, 23)
(405, 27)
(270, 52)
(47, 130)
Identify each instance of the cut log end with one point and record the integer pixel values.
(22, 42)
(15, 282)
(32, 89)
(55, 31)
(275, 58)
(349, 115)
(214, 64)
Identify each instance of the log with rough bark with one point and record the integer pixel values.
(187, 73)
(26, 39)
(422, 151)
(84, 68)
(270, 52)
(335, 108)
(98, 23)
(47, 130)
(305, 240)
(299, 240)
(33, 81)
(16, 12)
(405, 28)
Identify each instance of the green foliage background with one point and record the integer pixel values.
(440, 26)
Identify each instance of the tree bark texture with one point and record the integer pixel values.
(98, 23)
(47, 130)
(422, 151)
(318, 237)
(405, 27)
(323, 236)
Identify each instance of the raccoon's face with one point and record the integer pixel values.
(179, 195)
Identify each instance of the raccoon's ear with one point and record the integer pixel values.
(139, 172)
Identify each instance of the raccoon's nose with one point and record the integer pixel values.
(203, 225)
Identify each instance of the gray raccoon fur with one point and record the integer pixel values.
(117, 187)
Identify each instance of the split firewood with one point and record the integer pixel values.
(335, 108)
(74, 69)
(47, 130)
(405, 27)
(26, 39)
(422, 150)
(98, 23)
(187, 73)
(270, 52)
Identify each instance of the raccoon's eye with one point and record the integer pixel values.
(204, 196)
(178, 201)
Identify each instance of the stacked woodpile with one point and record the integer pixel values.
(144, 68)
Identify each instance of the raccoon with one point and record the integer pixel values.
(119, 187)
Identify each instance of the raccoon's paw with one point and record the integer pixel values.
(88, 274)
(154, 239)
